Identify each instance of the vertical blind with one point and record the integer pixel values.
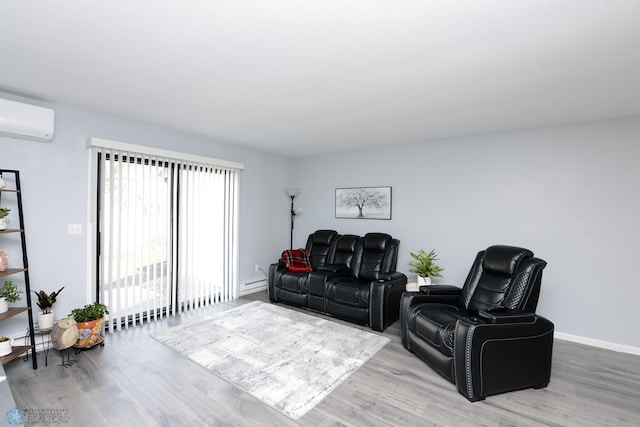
(166, 235)
(207, 258)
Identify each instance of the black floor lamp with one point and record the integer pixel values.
(292, 192)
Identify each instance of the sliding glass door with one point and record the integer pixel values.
(166, 235)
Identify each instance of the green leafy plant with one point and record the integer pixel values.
(3, 339)
(10, 292)
(4, 212)
(46, 301)
(89, 312)
(423, 264)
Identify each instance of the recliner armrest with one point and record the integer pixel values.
(274, 270)
(410, 300)
(396, 275)
(506, 316)
(440, 290)
(384, 296)
(492, 358)
(334, 268)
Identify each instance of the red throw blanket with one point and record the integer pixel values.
(297, 260)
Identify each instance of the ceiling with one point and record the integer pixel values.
(307, 77)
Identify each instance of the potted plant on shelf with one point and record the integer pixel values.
(5, 346)
(90, 319)
(3, 215)
(423, 264)
(45, 302)
(8, 293)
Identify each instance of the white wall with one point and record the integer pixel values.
(55, 187)
(571, 194)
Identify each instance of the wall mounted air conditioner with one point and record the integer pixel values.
(18, 120)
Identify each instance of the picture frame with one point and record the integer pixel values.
(363, 203)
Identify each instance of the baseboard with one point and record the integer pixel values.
(252, 287)
(621, 348)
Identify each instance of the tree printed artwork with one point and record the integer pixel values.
(363, 202)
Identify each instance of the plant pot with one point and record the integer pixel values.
(5, 348)
(423, 281)
(3, 223)
(45, 321)
(4, 305)
(89, 333)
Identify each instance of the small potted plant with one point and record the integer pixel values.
(90, 319)
(8, 293)
(5, 346)
(423, 264)
(3, 215)
(45, 302)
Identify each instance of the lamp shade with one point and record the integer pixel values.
(292, 192)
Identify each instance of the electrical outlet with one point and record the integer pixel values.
(257, 268)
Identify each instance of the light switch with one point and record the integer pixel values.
(75, 229)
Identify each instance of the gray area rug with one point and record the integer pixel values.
(287, 359)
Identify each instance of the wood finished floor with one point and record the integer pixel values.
(135, 380)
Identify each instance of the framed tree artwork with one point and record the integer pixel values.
(363, 203)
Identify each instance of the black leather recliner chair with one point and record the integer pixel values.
(485, 337)
(353, 278)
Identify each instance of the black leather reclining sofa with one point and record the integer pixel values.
(354, 278)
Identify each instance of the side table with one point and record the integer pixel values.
(45, 341)
(412, 287)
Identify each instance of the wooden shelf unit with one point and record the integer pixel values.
(17, 351)
(10, 271)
